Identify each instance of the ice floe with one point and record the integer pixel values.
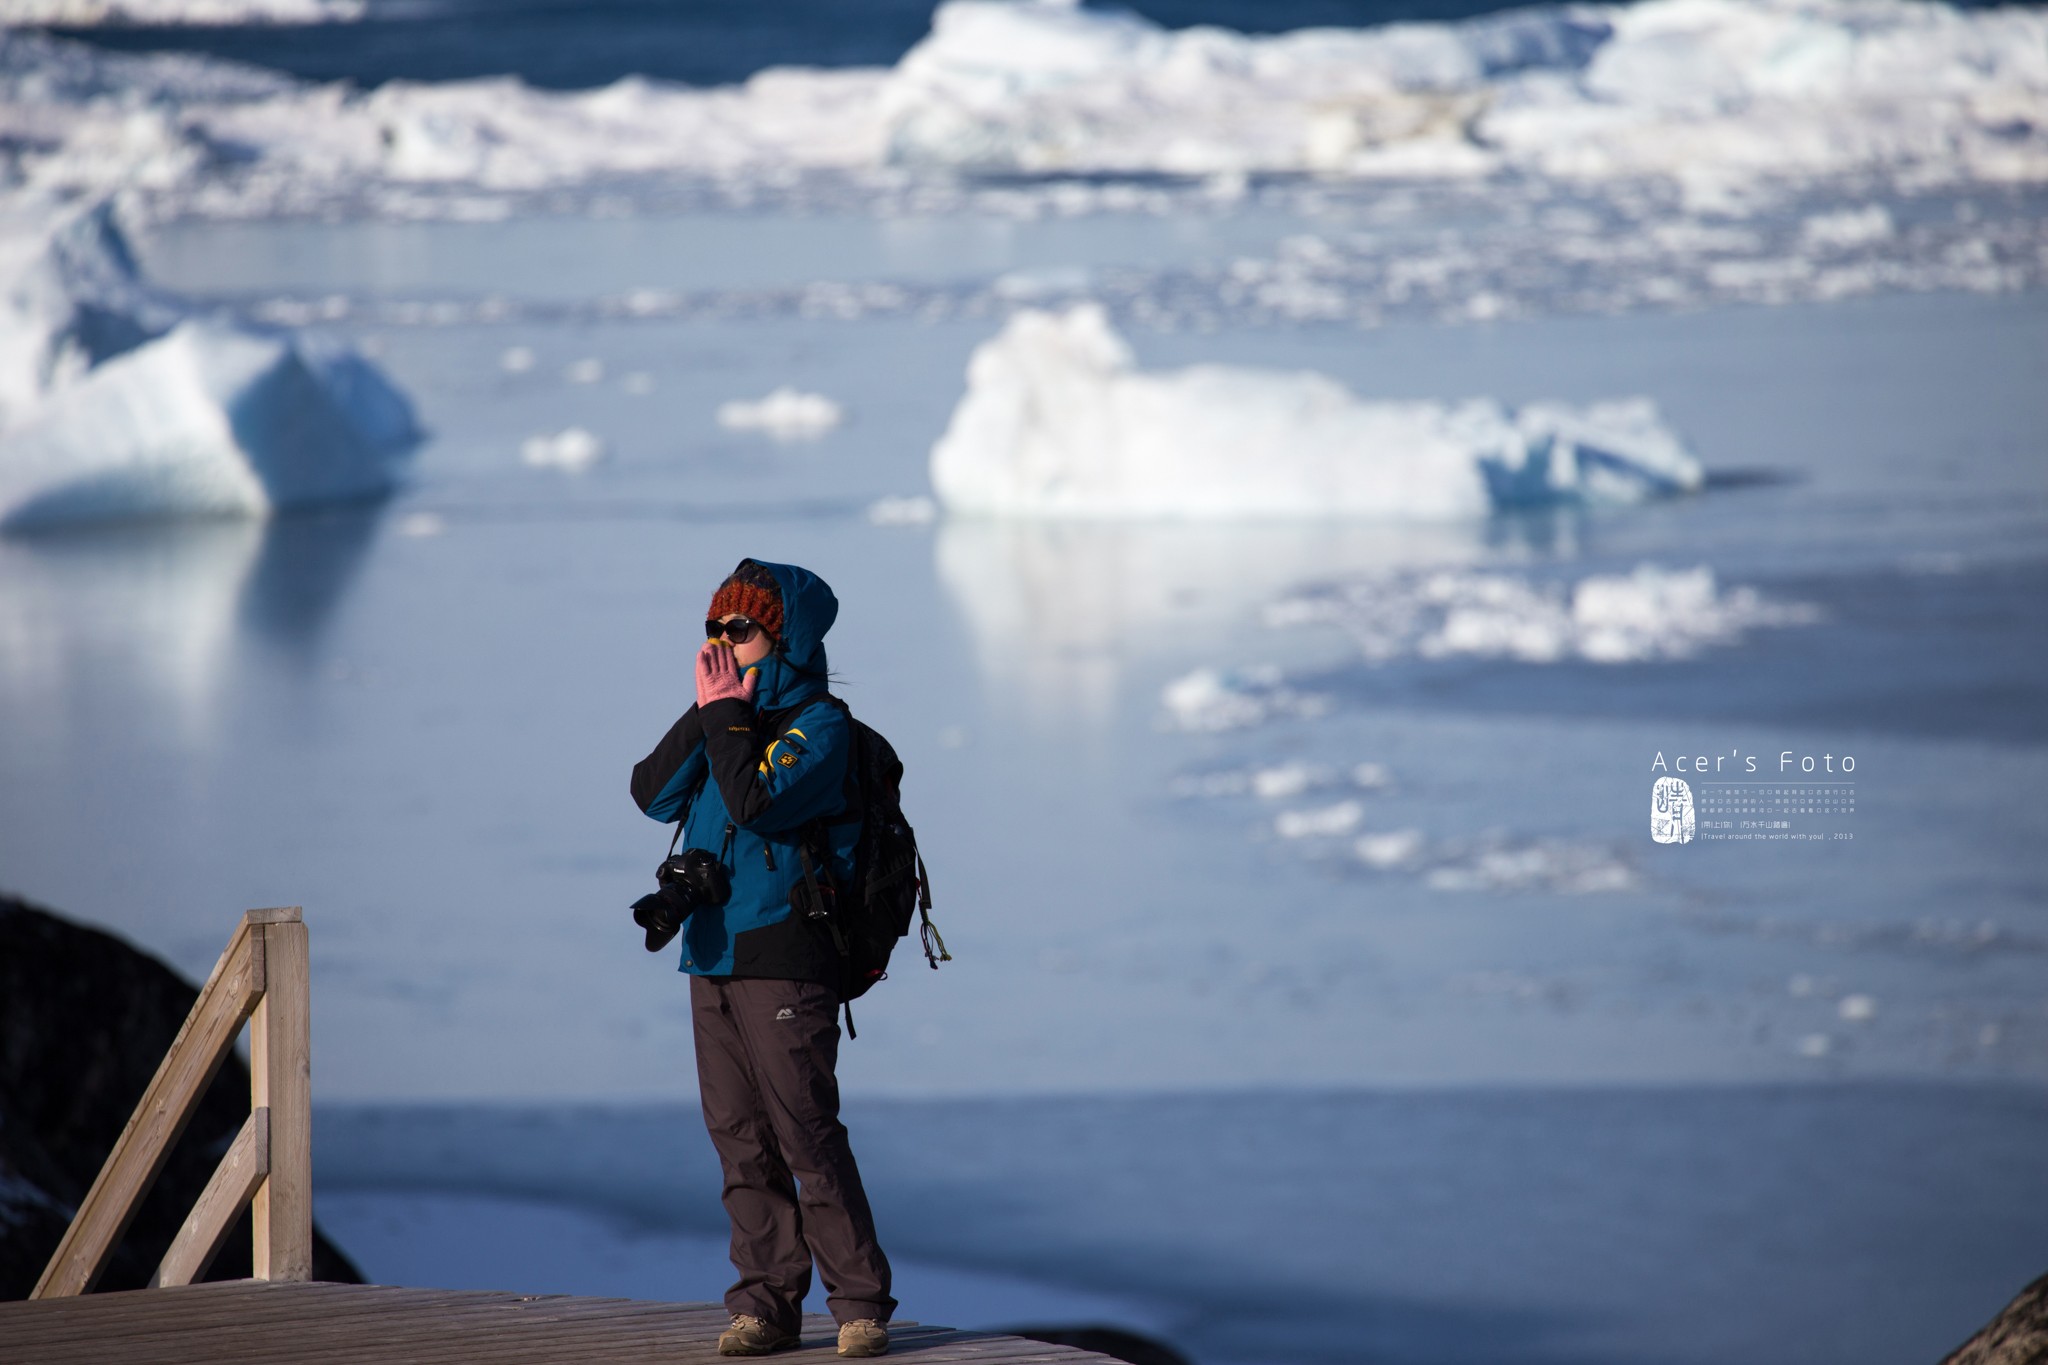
(1650, 613)
(913, 510)
(787, 414)
(1276, 782)
(573, 449)
(117, 404)
(1319, 822)
(1720, 96)
(86, 13)
(1212, 699)
(1058, 421)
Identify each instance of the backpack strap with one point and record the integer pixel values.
(927, 932)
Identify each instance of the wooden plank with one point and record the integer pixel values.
(257, 1323)
(234, 1181)
(145, 1143)
(383, 1312)
(281, 1079)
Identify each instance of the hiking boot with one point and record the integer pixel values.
(863, 1337)
(752, 1336)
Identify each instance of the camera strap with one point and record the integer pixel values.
(683, 817)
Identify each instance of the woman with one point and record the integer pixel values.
(755, 772)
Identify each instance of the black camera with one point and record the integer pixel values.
(688, 880)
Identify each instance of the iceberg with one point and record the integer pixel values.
(116, 404)
(1058, 421)
(210, 420)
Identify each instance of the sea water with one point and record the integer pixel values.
(1350, 1014)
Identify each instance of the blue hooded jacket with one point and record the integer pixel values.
(749, 781)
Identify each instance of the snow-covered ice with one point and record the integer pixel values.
(115, 403)
(206, 421)
(1724, 97)
(1215, 699)
(1650, 613)
(910, 510)
(1319, 822)
(1058, 421)
(787, 414)
(573, 448)
(84, 13)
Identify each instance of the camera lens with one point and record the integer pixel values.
(661, 913)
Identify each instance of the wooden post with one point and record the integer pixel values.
(263, 970)
(220, 1204)
(281, 1081)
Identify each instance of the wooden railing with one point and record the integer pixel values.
(261, 980)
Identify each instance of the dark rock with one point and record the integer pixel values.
(85, 1020)
(1114, 1342)
(2017, 1336)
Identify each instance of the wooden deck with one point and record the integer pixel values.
(253, 1322)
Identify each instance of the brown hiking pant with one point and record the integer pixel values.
(765, 1057)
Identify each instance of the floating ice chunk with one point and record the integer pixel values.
(517, 360)
(1816, 1045)
(1203, 700)
(1547, 866)
(1393, 848)
(421, 525)
(573, 449)
(1651, 613)
(786, 414)
(1801, 986)
(1856, 1008)
(639, 383)
(70, 298)
(1288, 779)
(1848, 229)
(1718, 96)
(586, 371)
(1058, 421)
(1371, 776)
(114, 406)
(1322, 823)
(209, 420)
(915, 510)
(1208, 699)
(155, 13)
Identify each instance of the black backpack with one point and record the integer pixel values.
(889, 884)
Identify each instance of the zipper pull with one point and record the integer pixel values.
(768, 855)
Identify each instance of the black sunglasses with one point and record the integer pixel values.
(739, 630)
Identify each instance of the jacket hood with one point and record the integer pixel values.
(797, 670)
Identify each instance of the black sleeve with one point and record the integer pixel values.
(653, 772)
(733, 749)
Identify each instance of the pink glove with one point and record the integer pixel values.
(718, 676)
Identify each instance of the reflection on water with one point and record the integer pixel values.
(159, 610)
(1060, 610)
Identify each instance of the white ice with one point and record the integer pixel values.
(1058, 421)
(573, 449)
(1650, 613)
(83, 13)
(1720, 96)
(207, 421)
(787, 414)
(114, 404)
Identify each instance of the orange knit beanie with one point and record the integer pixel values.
(750, 591)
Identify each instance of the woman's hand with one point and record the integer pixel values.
(719, 678)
